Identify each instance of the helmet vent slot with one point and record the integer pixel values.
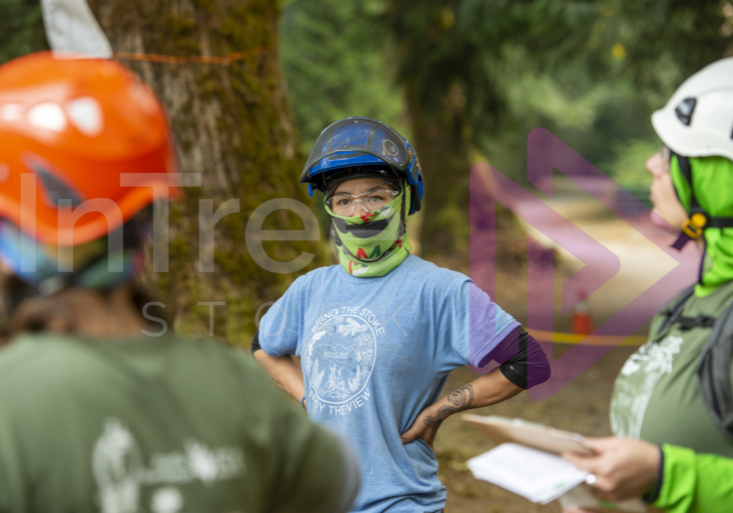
(54, 186)
(685, 109)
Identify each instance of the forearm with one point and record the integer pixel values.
(695, 483)
(285, 371)
(490, 389)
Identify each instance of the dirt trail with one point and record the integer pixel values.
(635, 242)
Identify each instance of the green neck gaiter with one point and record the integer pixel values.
(372, 245)
(713, 186)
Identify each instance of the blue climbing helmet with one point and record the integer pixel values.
(356, 147)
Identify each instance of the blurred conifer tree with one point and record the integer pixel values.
(338, 61)
(21, 28)
(477, 74)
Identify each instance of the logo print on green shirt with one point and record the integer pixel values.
(635, 385)
(120, 470)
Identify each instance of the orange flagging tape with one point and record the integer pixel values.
(193, 59)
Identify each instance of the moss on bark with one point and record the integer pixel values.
(444, 157)
(233, 124)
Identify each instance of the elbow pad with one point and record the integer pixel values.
(256, 342)
(523, 362)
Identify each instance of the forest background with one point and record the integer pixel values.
(464, 80)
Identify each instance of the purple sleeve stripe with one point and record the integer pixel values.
(481, 346)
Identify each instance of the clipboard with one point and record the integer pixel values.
(502, 429)
(538, 436)
(582, 497)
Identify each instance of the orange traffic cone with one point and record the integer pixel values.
(582, 319)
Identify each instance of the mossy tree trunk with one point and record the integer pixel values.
(444, 149)
(437, 62)
(233, 125)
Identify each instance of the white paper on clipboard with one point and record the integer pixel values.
(536, 475)
(527, 462)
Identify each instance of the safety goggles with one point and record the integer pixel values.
(350, 205)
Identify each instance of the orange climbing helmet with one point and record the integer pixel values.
(74, 130)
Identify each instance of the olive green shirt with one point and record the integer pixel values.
(656, 396)
(165, 425)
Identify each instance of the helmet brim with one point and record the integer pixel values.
(683, 140)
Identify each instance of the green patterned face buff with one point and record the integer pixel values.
(713, 177)
(373, 244)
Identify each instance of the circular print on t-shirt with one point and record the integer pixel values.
(339, 358)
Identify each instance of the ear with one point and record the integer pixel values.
(4, 269)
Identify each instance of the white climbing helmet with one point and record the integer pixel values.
(698, 120)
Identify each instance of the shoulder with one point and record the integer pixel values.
(243, 372)
(65, 358)
(41, 368)
(314, 278)
(36, 369)
(430, 275)
(212, 357)
(32, 354)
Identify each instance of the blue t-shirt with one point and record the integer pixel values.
(375, 352)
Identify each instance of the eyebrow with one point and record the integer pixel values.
(378, 188)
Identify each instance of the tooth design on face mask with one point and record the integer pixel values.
(362, 231)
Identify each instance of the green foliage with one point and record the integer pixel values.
(628, 167)
(566, 65)
(479, 76)
(337, 61)
(21, 28)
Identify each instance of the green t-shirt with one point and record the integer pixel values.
(656, 396)
(165, 425)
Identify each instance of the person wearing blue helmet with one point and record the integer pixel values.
(379, 333)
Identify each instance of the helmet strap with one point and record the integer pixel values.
(698, 219)
(692, 228)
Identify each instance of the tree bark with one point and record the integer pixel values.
(233, 125)
(443, 148)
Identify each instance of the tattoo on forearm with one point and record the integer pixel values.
(460, 400)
